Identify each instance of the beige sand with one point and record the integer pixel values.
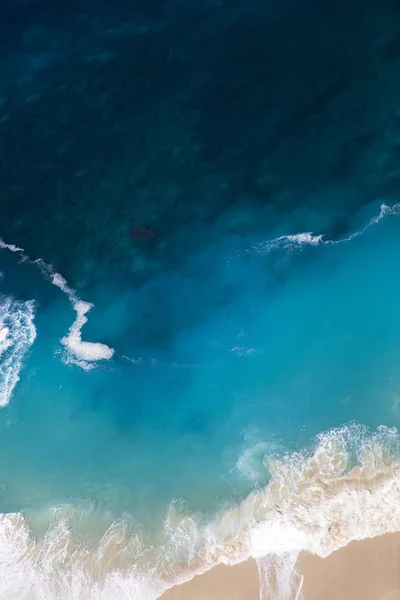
(365, 570)
(221, 583)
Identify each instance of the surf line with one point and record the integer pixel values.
(309, 239)
(83, 354)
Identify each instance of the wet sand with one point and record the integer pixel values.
(363, 570)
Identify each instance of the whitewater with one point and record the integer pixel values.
(318, 496)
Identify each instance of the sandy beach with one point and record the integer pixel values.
(363, 570)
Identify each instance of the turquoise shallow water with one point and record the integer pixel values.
(292, 337)
(287, 342)
(220, 180)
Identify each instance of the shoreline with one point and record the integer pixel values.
(366, 569)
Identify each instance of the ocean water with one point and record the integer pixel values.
(228, 386)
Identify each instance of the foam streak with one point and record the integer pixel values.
(309, 239)
(84, 354)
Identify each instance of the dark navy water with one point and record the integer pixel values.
(220, 180)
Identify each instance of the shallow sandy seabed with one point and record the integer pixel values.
(363, 570)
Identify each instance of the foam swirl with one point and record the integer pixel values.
(84, 354)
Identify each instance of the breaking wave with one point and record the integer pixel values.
(289, 242)
(347, 488)
(17, 334)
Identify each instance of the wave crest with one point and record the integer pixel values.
(348, 488)
(289, 242)
(17, 334)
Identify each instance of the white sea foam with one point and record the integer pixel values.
(347, 489)
(84, 354)
(309, 239)
(250, 463)
(59, 568)
(17, 334)
(289, 241)
(10, 247)
(242, 351)
(385, 211)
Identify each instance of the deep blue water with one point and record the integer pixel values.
(226, 130)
